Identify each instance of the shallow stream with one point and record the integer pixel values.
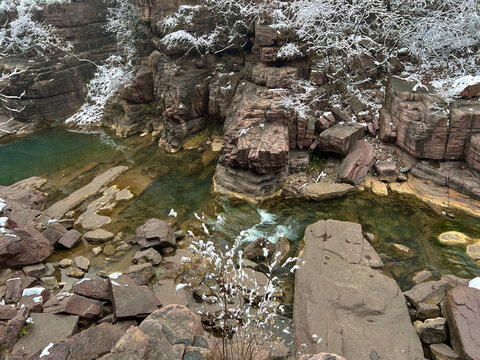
(182, 181)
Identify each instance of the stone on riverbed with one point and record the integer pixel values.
(93, 288)
(473, 251)
(357, 311)
(54, 232)
(87, 345)
(323, 191)
(81, 262)
(57, 210)
(443, 352)
(70, 239)
(150, 255)
(98, 235)
(453, 238)
(155, 232)
(73, 304)
(130, 300)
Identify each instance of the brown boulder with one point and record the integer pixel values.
(340, 138)
(150, 255)
(7, 312)
(387, 171)
(259, 249)
(93, 288)
(355, 166)
(70, 239)
(45, 329)
(133, 345)
(73, 304)
(470, 91)
(13, 329)
(178, 324)
(26, 246)
(155, 232)
(130, 300)
(462, 306)
(54, 232)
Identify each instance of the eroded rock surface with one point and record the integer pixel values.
(344, 306)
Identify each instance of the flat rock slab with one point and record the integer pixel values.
(345, 307)
(93, 288)
(89, 344)
(462, 310)
(324, 191)
(98, 235)
(73, 304)
(130, 300)
(46, 329)
(70, 239)
(57, 210)
(340, 138)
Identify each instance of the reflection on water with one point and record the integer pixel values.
(182, 181)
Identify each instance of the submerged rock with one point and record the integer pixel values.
(453, 238)
(98, 235)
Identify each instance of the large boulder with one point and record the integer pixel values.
(24, 246)
(340, 138)
(178, 324)
(355, 166)
(130, 300)
(155, 232)
(462, 309)
(344, 306)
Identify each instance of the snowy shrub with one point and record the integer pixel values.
(104, 84)
(234, 20)
(245, 314)
(289, 51)
(125, 23)
(23, 33)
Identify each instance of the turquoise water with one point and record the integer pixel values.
(46, 152)
(182, 182)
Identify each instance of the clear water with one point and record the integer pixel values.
(46, 152)
(182, 182)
